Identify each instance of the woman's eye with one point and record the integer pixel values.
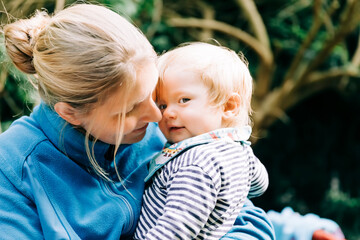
(184, 100)
(162, 106)
(130, 110)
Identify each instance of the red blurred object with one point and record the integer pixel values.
(322, 235)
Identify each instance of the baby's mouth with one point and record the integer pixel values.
(175, 128)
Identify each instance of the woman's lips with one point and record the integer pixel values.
(141, 129)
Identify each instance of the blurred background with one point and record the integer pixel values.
(304, 57)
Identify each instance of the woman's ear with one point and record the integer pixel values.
(67, 112)
(232, 107)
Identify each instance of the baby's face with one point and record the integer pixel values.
(184, 103)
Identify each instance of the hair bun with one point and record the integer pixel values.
(20, 39)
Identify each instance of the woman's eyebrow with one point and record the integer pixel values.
(135, 103)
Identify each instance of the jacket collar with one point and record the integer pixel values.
(66, 138)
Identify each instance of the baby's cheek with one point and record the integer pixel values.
(162, 125)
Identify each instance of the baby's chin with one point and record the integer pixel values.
(176, 140)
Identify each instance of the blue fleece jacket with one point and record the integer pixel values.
(48, 190)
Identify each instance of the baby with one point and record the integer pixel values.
(207, 168)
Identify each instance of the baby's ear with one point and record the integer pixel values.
(231, 107)
(67, 112)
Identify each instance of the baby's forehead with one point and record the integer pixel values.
(180, 66)
(182, 74)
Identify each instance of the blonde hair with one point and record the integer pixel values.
(220, 69)
(79, 56)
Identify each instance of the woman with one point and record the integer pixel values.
(75, 168)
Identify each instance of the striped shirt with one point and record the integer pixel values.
(199, 193)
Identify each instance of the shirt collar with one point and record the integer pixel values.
(171, 150)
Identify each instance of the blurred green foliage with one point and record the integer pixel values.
(312, 152)
(313, 160)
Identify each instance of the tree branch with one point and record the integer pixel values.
(209, 14)
(356, 58)
(11, 103)
(3, 77)
(255, 20)
(327, 16)
(290, 10)
(349, 22)
(155, 18)
(59, 5)
(263, 52)
(280, 100)
(350, 71)
(317, 23)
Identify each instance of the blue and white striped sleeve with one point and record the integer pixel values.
(190, 200)
(260, 178)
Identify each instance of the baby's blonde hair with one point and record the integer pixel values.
(79, 56)
(222, 70)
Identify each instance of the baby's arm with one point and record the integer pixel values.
(260, 178)
(190, 200)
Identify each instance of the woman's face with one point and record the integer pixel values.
(103, 122)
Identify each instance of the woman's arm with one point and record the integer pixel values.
(18, 216)
(251, 224)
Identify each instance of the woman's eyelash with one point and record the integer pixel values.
(131, 109)
(162, 106)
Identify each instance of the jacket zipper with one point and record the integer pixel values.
(127, 203)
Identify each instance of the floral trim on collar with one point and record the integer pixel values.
(171, 150)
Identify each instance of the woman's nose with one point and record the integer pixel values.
(151, 112)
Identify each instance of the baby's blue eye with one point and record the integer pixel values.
(184, 100)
